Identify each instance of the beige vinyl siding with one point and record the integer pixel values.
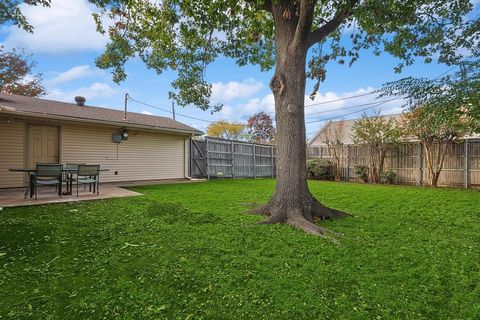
(12, 152)
(144, 156)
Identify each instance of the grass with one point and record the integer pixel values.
(188, 251)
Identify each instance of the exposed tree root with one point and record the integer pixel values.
(302, 217)
(319, 211)
(273, 220)
(262, 210)
(312, 228)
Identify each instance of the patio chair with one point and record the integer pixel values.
(89, 174)
(47, 175)
(68, 175)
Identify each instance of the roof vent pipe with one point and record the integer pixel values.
(80, 101)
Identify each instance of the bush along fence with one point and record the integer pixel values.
(218, 158)
(461, 167)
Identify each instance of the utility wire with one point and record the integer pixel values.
(168, 111)
(374, 104)
(341, 99)
(351, 107)
(357, 111)
(368, 93)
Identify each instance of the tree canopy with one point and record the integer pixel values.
(378, 134)
(260, 127)
(10, 12)
(186, 36)
(226, 130)
(16, 74)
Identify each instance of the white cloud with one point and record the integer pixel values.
(266, 104)
(97, 90)
(75, 73)
(223, 92)
(64, 27)
(147, 112)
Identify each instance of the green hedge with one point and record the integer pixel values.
(319, 169)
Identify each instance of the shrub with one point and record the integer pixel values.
(388, 177)
(319, 169)
(362, 172)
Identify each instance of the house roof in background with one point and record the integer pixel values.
(28, 106)
(347, 130)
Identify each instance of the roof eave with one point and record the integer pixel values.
(96, 121)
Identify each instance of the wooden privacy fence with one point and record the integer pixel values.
(213, 157)
(461, 167)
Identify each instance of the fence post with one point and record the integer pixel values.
(254, 163)
(272, 161)
(420, 163)
(233, 158)
(467, 165)
(348, 162)
(208, 159)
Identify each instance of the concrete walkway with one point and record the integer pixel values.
(46, 195)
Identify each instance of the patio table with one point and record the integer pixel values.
(30, 188)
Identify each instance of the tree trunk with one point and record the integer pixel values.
(434, 179)
(336, 170)
(292, 201)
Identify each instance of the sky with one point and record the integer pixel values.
(65, 44)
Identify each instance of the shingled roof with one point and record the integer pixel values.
(347, 130)
(28, 106)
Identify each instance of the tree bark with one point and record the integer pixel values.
(292, 201)
(434, 179)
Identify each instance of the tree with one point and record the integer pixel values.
(261, 128)
(436, 132)
(226, 130)
(16, 74)
(10, 12)
(445, 95)
(442, 111)
(186, 36)
(378, 134)
(332, 136)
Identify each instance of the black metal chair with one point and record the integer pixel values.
(89, 174)
(49, 175)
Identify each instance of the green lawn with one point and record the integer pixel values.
(189, 251)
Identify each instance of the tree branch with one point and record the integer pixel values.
(330, 26)
(267, 5)
(305, 19)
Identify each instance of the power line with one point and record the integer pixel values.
(168, 111)
(369, 93)
(341, 99)
(357, 111)
(444, 73)
(351, 107)
(374, 104)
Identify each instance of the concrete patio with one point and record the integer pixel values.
(48, 195)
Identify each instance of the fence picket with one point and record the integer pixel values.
(461, 167)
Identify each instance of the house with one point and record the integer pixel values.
(345, 131)
(133, 146)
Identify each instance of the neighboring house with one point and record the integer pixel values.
(37, 130)
(461, 167)
(347, 139)
(316, 141)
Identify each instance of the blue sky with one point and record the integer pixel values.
(65, 45)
